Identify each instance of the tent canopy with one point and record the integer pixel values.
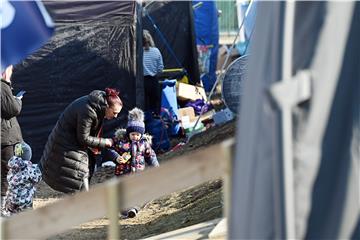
(94, 47)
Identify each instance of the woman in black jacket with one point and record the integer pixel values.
(10, 129)
(68, 160)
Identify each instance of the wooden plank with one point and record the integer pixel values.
(220, 231)
(184, 171)
(113, 211)
(227, 182)
(57, 217)
(198, 231)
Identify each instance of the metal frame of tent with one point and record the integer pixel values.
(221, 75)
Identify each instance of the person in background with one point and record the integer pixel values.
(68, 160)
(152, 64)
(22, 177)
(10, 128)
(132, 149)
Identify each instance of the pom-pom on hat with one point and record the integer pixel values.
(136, 121)
(23, 150)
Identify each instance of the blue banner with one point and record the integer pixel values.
(25, 27)
(207, 40)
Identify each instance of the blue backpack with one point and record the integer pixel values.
(158, 129)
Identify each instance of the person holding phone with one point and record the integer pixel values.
(20, 94)
(10, 128)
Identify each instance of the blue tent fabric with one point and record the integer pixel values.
(250, 20)
(169, 108)
(326, 128)
(23, 20)
(168, 97)
(249, 24)
(207, 33)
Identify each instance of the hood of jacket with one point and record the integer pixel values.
(18, 164)
(97, 101)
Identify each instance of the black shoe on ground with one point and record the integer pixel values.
(132, 213)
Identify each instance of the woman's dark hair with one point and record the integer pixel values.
(112, 97)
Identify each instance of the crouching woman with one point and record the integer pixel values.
(68, 160)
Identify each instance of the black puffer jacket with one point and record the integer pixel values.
(10, 108)
(64, 163)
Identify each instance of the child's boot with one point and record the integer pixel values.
(132, 213)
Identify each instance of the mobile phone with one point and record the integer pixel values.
(21, 93)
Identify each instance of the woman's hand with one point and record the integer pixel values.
(7, 74)
(109, 142)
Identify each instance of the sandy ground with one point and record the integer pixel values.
(180, 209)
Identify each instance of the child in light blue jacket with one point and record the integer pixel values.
(22, 177)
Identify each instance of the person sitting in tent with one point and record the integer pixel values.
(132, 149)
(153, 64)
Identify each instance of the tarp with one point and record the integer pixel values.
(326, 128)
(94, 47)
(207, 39)
(87, 12)
(175, 36)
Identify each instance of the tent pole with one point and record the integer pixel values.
(286, 125)
(113, 210)
(219, 78)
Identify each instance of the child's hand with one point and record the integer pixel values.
(147, 152)
(126, 156)
(7, 74)
(120, 159)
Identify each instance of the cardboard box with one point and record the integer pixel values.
(190, 92)
(186, 114)
(191, 117)
(208, 116)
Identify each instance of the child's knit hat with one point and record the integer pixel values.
(23, 150)
(136, 121)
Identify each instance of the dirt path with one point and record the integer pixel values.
(180, 209)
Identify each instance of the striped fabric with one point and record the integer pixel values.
(152, 61)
